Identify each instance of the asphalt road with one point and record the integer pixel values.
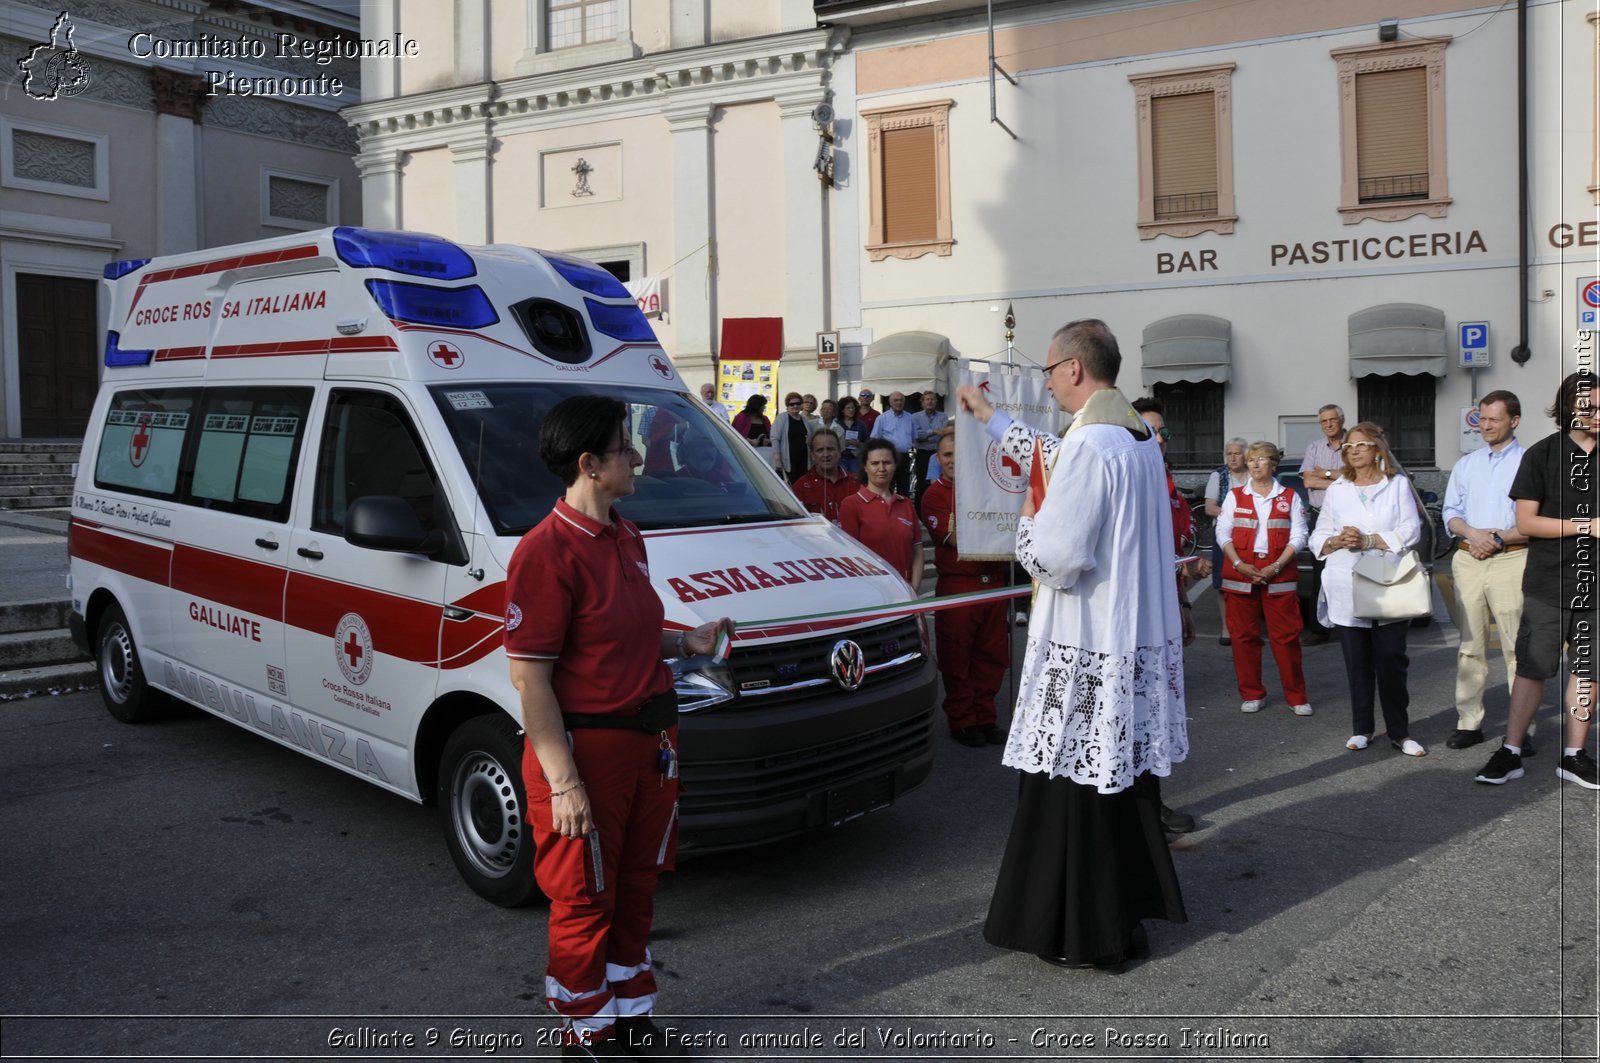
(188, 890)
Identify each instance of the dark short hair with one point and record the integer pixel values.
(755, 404)
(830, 433)
(583, 424)
(1145, 404)
(1509, 399)
(1581, 382)
(875, 443)
(850, 401)
(1090, 341)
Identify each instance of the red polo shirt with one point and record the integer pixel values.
(578, 593)
(887, 527)
(938, 508)
(824, 496)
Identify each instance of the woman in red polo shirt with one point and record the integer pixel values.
(884, 522)
(585, 640)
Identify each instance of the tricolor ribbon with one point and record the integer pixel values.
(818, 622)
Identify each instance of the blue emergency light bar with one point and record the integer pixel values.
(422, 304)
(409, 253)
(587, 277)
(114, 270)
(115, 356)
(621, 322)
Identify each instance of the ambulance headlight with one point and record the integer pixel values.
(697, 690)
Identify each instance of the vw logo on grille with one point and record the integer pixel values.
(848, 664)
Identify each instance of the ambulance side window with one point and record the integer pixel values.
(141, 445)
(247, 448)
(369, 447)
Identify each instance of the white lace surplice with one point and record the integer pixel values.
(1101, 697)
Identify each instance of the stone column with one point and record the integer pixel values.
(694, 313)
(474, 188)
(179, 204)
(380, 188)
(806, 302)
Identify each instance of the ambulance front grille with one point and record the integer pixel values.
(731, 785)
(798, 670)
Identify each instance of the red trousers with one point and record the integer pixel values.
(1281, 615)
(599, 968)
(974, 654)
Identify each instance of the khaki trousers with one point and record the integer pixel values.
(1491, 587)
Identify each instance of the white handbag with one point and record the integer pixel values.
(1384, 590)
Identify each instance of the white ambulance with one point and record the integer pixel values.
(309, 463)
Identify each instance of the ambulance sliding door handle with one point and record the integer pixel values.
(266, 544)
(315, 555)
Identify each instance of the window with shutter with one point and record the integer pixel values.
(909, 163)
(1404, 406)
(1391, 101)
(1392, 135)
(1185, 151)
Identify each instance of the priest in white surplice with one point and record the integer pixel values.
(1100, 706)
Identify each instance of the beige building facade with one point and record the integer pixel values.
(1274, 205)
(668, 140)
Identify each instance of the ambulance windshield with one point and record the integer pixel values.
(695, 471)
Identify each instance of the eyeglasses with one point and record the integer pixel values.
(1048, 369)
(1164, 433)
(626, 448)
(1359, 445)
(791, 405)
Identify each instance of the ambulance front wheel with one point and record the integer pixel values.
(485, 810)
(122, 687)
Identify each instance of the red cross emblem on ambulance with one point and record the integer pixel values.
(139, 444)
(352, 648)
(659, 364)
(445, 354)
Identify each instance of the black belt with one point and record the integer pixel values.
(658, 714)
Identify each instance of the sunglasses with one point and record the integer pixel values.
(791, 405)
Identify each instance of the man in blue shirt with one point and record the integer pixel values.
(1489, 559)
(895, 425)
(926, 424)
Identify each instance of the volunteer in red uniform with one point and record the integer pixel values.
(1262, 527)
(585, 641)
(973, 649)
(826, 486)
(882, 521)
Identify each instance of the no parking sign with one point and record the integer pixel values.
(1588, 303)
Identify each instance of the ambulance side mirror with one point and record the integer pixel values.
(387, 522)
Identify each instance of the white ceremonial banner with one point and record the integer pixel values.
(990, 486)
(646, 291)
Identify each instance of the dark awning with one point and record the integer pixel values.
(906, 361)
(1190, 347)
(752, 339)
(1397, 339)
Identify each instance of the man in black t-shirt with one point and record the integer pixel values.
(1556, 498)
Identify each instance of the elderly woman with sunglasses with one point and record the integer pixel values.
(791, 439)
(1370, 507)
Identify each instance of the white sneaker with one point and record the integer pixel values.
(1301, 710)
(1251, 706)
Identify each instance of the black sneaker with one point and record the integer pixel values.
(1502, 768)
(1580, 769)
(971, 737)
(641, 1037)
(1462, 739)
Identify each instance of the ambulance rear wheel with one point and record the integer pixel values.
(122, 687)
(485, 810)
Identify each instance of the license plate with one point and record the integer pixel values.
(859, 798)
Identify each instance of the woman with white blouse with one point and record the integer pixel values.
(1369, 508)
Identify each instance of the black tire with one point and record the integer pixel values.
(484, 810)
(122, 687)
